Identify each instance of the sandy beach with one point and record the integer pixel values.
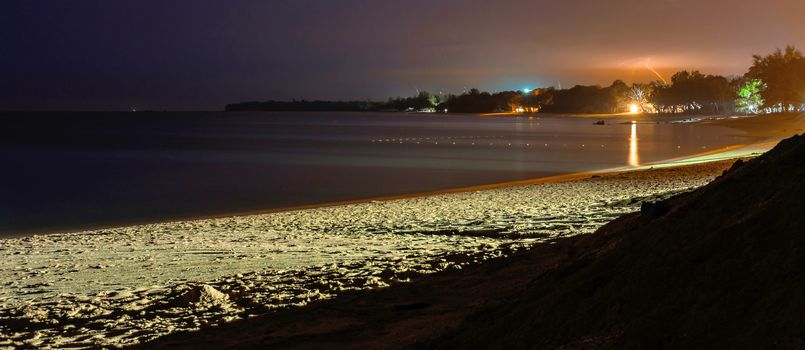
(129, 285)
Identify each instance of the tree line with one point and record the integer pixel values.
(774, 83)
(304, 105)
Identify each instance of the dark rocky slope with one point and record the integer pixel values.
(720, 267)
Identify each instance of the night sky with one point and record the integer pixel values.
(200, 55)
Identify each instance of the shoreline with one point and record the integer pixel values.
(735, 152)
(756, 148)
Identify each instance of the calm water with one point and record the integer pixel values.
(69, 170)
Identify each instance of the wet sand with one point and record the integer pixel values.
(772, 127)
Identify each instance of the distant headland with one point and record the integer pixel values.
(768, 86)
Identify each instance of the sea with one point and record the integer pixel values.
(65, 171)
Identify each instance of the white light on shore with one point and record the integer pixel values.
(634, 108)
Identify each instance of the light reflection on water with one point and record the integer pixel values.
(634, 157)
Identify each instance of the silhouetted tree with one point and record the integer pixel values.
(475, 101)
(538, 98)
(694, 92)
(422, 101)
(783, 73)
(640, 94)
(304, 105)
(589, 99)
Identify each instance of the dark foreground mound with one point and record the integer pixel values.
(720, 267)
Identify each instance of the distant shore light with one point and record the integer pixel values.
(634, 108)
